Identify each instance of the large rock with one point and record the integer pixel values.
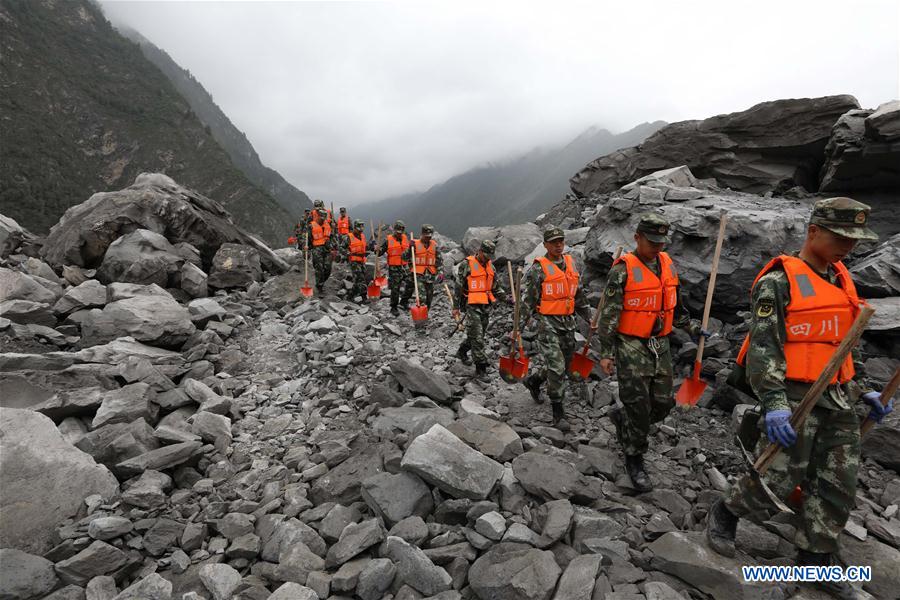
(419, 380)
(156, 203)
(15, 285)
(877, 274)
(12, 235)
(758, 229)
(124, 405)
(356, 538)
(97, 559)
(142, 257)
(514, 572)
(882, 444)
(686, 556)
(415, 569)
(882, 558)
(772, 146)
(514, 242)
(155, 320)
(863, 152)
(25, 575)
(194, 281)
(493, 438)
(342, 483)
(552, 478)
(25, 312)
(44, 480)
(442, 459)
(89, 294)
(234, 266)
(396, 497)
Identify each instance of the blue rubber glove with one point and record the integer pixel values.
(706, 334)
(878, 411)
(778, 427)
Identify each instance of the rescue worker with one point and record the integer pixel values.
(801, 308)
(396, 246)
(477, 290)
(553, 294)
(428, 263)
(318, 204)
(343, 230)
(300, 229)
(321, 245)
(643, 304)
(356, 256)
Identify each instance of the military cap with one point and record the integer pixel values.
(399, 225)
(426, 228)
(322, 212)
(318, 204)
(343, 209)
(843, 216)
(488, 247)
(554, 233)
(359, 223)
(654, 227)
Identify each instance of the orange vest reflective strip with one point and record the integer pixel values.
(426, 258)
(320, 233)
(395, 251)
(357, 249)
(648, 297)
(558, 288)
(816, 319)
(343, 225)
(480, 282)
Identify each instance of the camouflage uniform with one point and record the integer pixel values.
(825, 457)
(357, 269)
(321, 258)
(555, 333)
(427, 279)
(399, 277)
(643, 366)
(476, 315)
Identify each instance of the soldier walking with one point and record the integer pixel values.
(643, 304)
(355, 255)
(779, 360)
(477, 290)
(343, 230)
(553, 295)
(321, 245)
(396, 246)
(428, 263)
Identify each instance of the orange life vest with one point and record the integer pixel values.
(320, 233)
(395, 251)
(312, 216)
(426, 258)
(648, 297)
(343, 225)
(559, 287)
(480, 282)
(817, 318)
(357, 249)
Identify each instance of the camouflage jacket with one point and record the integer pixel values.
(607, 330)
(329, 245)
(765, 362)
(462, 285)
(534, 278)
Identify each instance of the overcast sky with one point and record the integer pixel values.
(354, 102)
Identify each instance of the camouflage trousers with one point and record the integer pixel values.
(400, 277)
(824, 461)
(476, 316)
(556, 344)
(426, 288)
(321, 260)
(358, 273)
(645, 388)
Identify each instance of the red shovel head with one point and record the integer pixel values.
(419, 312)
(306, 290)
(373, 291)
(381, 280)
(513, 368)
(691, 389)
(581, 364)
(292, 240)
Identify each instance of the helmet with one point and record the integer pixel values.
(488, 247)
(318, 204)
(359, 224)
(343, 209)
(426, 228)
(399, 226)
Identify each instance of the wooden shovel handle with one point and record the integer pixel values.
(711, 287)
(600, 304)
(412, 249)
(798, 416)
(886, 394)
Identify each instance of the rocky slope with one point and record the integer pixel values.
(84, 111)
(253, 445)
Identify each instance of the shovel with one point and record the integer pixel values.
(580, 363)
(419, 312)
(380, 280)
(886, 394)
(292, 240)
(514, 368)
(306, 290)
(691, 389)
(460, 320)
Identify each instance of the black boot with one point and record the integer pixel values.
(395, 311)
(533, 383)
(559, 416)
(639, 479)
(615, 415)
(839, 589)
(481, 370)
(721, 527)
(463, 355)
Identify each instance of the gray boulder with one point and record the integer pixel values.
(863, 152)
(396, 497)
(419, 380)
(234, 266)
(492, 438)
(151, 587)
(12, 236)
(27, 312)
(25, 575)
(443, 460)
(514, 242)
(552, 478)
(155, 320)
(194, 281)
(415, 569)
(89, 294)
(514, 572)
(772, 146)
(134, 401)
(142, 257)
(43, 481)
(156, 203)
(15, 285)
(97, 559)
(356, 538)
(877, 274)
